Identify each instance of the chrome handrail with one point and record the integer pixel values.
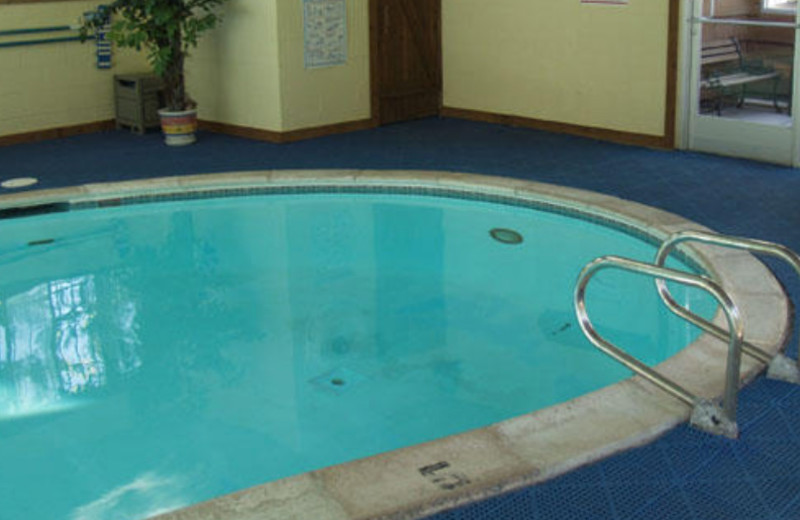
(780, 366)
(705, 415)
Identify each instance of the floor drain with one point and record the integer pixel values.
(506, 236)
(19, 182)
(336, 381)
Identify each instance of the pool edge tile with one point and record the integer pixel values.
(302, 496)
(423, 479)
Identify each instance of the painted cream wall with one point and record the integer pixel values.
(250, 72)
(591, 65)
(54, 85)
(234, 74)
(323, 96)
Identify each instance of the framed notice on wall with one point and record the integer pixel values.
(325, 32)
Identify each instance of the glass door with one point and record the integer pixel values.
(743, 79)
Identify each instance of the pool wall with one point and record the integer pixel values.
(421, 480)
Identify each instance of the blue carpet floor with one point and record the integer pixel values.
(685, 475)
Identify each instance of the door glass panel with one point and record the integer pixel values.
(780, 6)
(746, 61)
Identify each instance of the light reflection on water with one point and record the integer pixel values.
(148, 493)
(51, 354)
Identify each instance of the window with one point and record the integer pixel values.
(780, 6)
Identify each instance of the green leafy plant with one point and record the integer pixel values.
(165, 29)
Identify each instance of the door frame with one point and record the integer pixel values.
(671, 102)
(374, 81)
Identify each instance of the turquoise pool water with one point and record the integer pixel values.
(157, 355)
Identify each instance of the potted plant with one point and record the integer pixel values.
(167, 30)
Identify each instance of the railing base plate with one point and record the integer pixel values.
(710, 418)
(782, 368)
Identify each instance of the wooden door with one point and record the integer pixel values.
(406, 59)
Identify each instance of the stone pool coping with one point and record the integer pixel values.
(420, 480)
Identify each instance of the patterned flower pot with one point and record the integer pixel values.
(178, 127)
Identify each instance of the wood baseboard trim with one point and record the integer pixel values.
(211, 126)
(616, 136)
(322, 131)
(286, 137)
(664, 142)
(240, 131)
(57, 133)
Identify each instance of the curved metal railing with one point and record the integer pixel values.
(780, 366)
(706, 415)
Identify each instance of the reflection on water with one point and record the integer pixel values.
(50, 347)
(149, 493)
(81, 363)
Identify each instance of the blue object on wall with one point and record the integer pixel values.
(34, 30)
(24, 43)
(102, 44)
(39, 41)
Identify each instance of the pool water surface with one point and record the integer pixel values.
(157, 355)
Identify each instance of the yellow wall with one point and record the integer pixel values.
(250, 71)
(323, 96)
(54, 85)
(556, 60)
(591, 65)
(234, 74)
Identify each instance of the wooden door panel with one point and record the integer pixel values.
(407, 75)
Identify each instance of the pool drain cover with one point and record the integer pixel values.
(506, 236)
(338, 380)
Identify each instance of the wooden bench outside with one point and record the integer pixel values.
(725, 73)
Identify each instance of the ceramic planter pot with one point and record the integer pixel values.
(179, 127)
